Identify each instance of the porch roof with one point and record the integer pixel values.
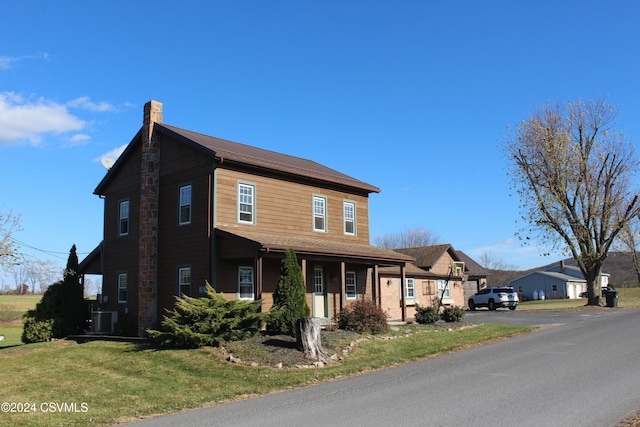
(92, 264)
(410, 270)
(309, 246)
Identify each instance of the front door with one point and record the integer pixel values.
(320, 308)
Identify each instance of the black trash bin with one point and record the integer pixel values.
(612, 298)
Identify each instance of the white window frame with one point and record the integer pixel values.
(441, 285)
(350, 285)
(124, 216)
(410, 288)
(122, 287)
(320, 213)
(349, 216)
(245, 281)
(185, 207)
(246, 201)
(184, 281)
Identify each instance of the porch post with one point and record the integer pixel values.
(343, 288)
(375, 283)
(303, 265)
(403, 292)
(259, 277)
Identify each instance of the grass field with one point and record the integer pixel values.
(12, 307)
(627, 298)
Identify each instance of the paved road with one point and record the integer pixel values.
(582, 370)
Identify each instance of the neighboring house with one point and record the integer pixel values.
(182, 208)
(420, 287)
(424, 285)
(477, 276)
(573, 271)
(556, 282)
(437, 270)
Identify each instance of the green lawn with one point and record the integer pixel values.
(111, 382)
(627, 298)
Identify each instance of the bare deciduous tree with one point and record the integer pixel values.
(412, 238)
(490, 262)
(9, 253)
(628, 238)
(572, 171)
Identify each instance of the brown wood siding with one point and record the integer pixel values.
(121, 252)
(286, 207)
(182, 245)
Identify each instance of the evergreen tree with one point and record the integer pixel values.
(206, 321)
(74, 309)
(289, 298)
(61, 311)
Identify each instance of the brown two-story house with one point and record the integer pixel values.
(182, 208)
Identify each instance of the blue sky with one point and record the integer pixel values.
(410, 96)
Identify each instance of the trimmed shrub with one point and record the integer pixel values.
(363, 317)
(427, 315)
(36, 330)
(207, 321)
(453, 314)
(289, 298)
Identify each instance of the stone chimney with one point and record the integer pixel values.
(148, 244)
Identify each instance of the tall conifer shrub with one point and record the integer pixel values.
(289, 298)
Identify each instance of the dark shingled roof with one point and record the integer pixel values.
(471, 267)
(307, 245)
(426, 256)
(241, 154)
(266, 159)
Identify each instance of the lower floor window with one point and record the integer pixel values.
(411, 288)
(122, 287)
(350, 285)
(245, 283)
(443, 286)
(184, 281)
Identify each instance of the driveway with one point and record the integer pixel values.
(533, 317)
(581, 370)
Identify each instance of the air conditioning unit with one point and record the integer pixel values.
(103, 322)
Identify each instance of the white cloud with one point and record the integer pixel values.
(6, 62)
(79, 139)
(27, 121)
(113, 154)
(85, 103)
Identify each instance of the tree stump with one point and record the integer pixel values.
(308, 339)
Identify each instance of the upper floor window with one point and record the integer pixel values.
(319, 213)
(411, 288)
(245, 283)
(184, 281)
(349, 209)
(184, 214)
(351, 288)
(123, 218)
(122, 287)
(246, 203)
